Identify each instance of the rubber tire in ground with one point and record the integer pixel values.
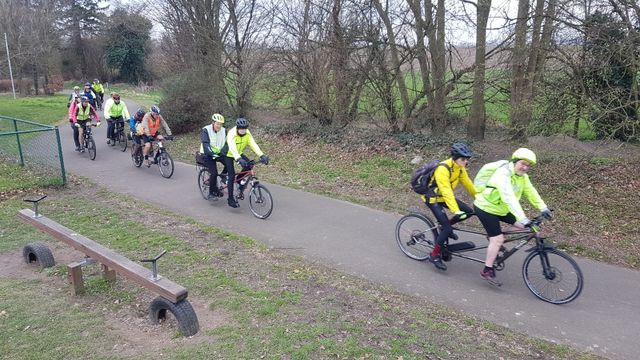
(182, 311)
(91, 149)
(38, 253)
(204, 175)
(165, 160)
(414, 239)
(574, 285)
(122, 141)
(258, 195)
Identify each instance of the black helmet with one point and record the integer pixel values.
(459, 150)
(140, 112)
(242, 123)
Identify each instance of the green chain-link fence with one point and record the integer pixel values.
(34, 146)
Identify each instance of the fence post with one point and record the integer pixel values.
(64, 174)
(15, 126)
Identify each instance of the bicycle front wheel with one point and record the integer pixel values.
(165, 163)
(137, 156)
(260, 201)
(416, 235)
(122, 141)
(552, 276)
(204, 181)
(91, 148)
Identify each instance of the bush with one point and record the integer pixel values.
(186, 103)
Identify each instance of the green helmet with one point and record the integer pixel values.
(524, 154)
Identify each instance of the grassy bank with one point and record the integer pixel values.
(251, 302)
(48, 110)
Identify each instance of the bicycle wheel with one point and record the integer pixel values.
(562, 282)
(91, 148)
(260, 201)
(137, 157)
(122, 140)
(165, 163)
(416, 235)
(204, 178)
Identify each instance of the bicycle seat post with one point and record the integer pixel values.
(35, 204)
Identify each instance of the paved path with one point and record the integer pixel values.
(605, 319)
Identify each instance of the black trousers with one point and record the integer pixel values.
(211, 165)
(438, 211)
(229, 162)
(75, 135)
(111, 126)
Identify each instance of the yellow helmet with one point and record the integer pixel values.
(524, 154)
(217, 118)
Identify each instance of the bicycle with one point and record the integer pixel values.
(260, 199)
(550, 274)
(88, 142)
(119, 135)
(160, 157)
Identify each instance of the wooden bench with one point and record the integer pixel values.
(172, 296)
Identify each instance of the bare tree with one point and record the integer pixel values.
(476, 125)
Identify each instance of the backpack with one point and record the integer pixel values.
(421, 177)
(485, 173)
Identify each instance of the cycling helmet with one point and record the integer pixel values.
(115, 96)
(84, 98)
(459, 150)
(217, 118)
(242, 123)
(140, 112)
(76, 88)
(96, 80)
(87, 84)
(155, 109)
(524, 154)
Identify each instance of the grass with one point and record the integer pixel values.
(144, 97)
(269, 304)
(48, 110)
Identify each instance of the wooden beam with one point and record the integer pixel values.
(134, 271)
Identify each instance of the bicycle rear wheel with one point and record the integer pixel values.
(204, 181)
(416, 235)
(165, 163)
(137, 156)
(260, 201)
(91, 148)
(122, 140)
(562, 281)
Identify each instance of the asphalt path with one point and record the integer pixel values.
(605, 319)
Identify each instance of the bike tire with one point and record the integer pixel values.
(416, 235)
(91, 148)
(562, 286)
(204, 181)
(122, 141)
(137, 157)
(260, 201)
(165, 164)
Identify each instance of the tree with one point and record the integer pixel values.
(477, 119)
(127, 44)
(82, 20)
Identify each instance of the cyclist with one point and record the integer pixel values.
(98, 90)
(115, 111)
(213, 138)
(151, 123)
(88, 92)
(135, 126)
(74, 96)
(79, 115)
(445, 178)
(237, 139)
(500, 201)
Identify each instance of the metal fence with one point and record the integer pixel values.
(36, 147)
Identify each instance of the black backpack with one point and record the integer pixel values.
(421, 177)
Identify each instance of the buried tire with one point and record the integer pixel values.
(182, 311)
(38, 253)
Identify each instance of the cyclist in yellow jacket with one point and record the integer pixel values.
(237, 139)
(446, 178)
(500, 201)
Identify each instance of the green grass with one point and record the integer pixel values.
(143, 97)
(48, 110)
(14, 177)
